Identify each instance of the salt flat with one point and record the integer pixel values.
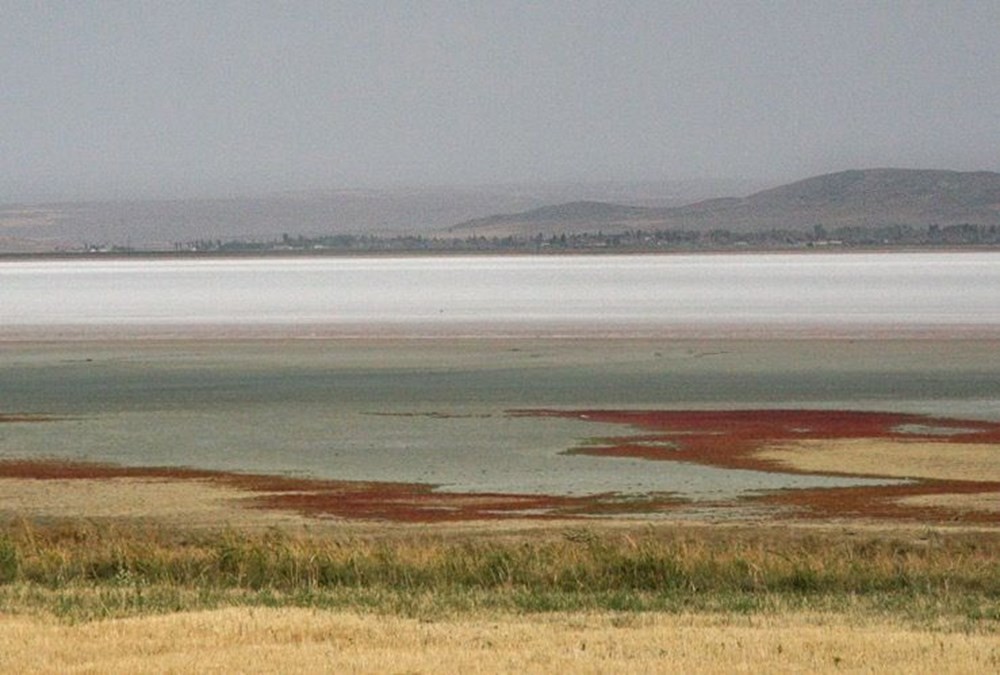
(850, 294)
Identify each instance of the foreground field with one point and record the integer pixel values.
(118, 596)
(117, 569)
(301, 640)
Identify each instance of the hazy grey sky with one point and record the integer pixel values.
(164, 98)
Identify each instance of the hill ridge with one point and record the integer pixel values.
(852, 198)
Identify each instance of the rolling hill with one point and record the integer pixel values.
(860, 198)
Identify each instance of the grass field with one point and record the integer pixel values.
(114, 596)
(283, 640)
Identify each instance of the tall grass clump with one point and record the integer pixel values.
(9, 561)
(98, 570)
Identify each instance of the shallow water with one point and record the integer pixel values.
(434, 411)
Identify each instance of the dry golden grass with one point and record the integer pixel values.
(988, 502)
(785, 600)
(191, 503)
(903, 459)
(299, 640)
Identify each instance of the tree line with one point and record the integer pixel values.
(637, 240)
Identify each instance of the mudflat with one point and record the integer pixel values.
(462, 429)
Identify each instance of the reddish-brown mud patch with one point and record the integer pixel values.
(399, 502)
(731, 439)
(26, 417)
(728, 439)
(884, 502)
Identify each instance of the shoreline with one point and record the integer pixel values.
(345, 331)
(55, 255)
(750, 439)
(152, 406)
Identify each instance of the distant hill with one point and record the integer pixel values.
(597, 215)
(868, 199)
(159, 223)
(863, 198)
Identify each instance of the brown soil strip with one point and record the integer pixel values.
(185, 503)
(928, 460)
(987, 502)
(892, 502)
(27, 417)
(739, 439)
(398, 502)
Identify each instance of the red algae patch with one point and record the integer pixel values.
(27, 417)
(733, 438)
(952, 468)
(944, 457)
(350, 500)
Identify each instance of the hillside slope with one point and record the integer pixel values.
(861, 198)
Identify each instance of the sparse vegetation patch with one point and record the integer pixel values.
(83, 571)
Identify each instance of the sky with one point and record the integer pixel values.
(128, 98)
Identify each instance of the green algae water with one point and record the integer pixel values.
(436, 411)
